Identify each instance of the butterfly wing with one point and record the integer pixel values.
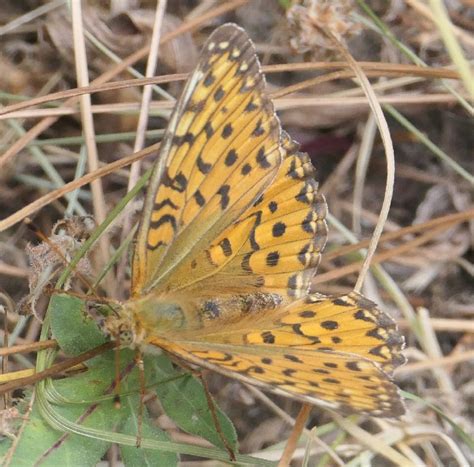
(337, 352)
(220, 151)
(274, 247)
(233, 222)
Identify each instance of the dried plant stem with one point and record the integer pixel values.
(19, 215)
(292, 442)
(142, 123)
(370, 69)
(56, 368)
(82, 74)
(147, 90)
(434, 363)
(36, 130)
(389, 155)
(27, 348)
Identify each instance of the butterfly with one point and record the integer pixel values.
(230, 237)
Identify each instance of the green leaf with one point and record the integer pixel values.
(38, 443)
(71, 327)
(184, 401)
(133, 456)
(82, 412)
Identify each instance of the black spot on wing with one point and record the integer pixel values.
(165, 202)
(330, 364)
(200, 200)
(209, 80)
(204, 167)
(331, 380)
(227, 131)
(250, 107)
(268, 337)
(245, 263)
(224, 193)
(278, 229)
(307, 314)
(226, 247)
(375, 334)
(186, 138)
(246, 168)
(165, 219)
(230, 158)
(292, 358)
(330, 325)
(341, 302)
(208, 129)
(178, 183)
(297, 329)
(259, 130)
(219, 94)
(360, 314)
(353, 366)
(262, 159)
(273, 258)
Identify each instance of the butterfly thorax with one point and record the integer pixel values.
(139, 318)
(142, 319)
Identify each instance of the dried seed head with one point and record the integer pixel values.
(309, 20)
(47, 259)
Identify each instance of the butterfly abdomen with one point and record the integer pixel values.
(236, 306)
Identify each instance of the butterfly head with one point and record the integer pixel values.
(121, 327)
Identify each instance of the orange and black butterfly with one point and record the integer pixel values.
(230, 238)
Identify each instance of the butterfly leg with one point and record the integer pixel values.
(141, 376)
(212, 408)
(210, 402)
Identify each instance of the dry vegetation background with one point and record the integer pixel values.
(425, 278)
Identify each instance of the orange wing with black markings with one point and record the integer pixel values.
(221, 150)
(337, 352)
(232, 231)
(274, 247)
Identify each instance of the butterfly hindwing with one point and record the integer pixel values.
(338, 352)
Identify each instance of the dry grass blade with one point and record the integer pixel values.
(46, 123)
(55, 369)
(71, 186)
(292, 442)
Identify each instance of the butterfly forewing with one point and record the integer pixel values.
(274, 247)
(220, 151)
